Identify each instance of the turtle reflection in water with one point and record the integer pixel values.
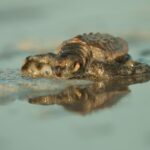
(84, 99)
(87, 56)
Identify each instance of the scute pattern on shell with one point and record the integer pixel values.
(104, 41)
(103, 47)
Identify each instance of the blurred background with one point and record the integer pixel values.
(37, 26)
(43, 24)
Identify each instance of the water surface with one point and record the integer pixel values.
(29, 27)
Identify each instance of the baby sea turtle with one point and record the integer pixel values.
(85, 56)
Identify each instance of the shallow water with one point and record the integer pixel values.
(29, 27)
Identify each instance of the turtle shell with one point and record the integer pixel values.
(104, 47)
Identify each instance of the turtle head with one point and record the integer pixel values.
(39, 65)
